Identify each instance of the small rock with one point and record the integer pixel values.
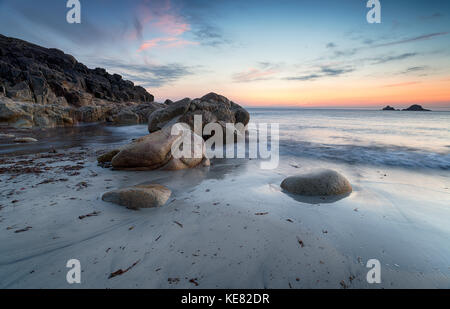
(140, 196)
(25, 140)
(7, 135)
(319, 183)
(107, 157)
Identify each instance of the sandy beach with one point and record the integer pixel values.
(225, 226)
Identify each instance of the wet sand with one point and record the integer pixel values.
(226, 226)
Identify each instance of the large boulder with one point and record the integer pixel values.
(169, 115)
(148, 152)
(140, 196)
(317, 183)
(126, 117)
(154, 151)
(14, 115)
(212, 107)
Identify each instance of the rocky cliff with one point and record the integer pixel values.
(44, 87)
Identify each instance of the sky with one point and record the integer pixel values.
(312, 53)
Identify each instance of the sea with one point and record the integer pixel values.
(381, 138)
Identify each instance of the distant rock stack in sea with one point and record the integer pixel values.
(414, 107)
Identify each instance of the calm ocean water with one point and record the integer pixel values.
(393, 138)
(386, 138)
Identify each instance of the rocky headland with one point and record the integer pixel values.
(44, 88)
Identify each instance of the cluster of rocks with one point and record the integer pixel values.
(44, 87)
(213, 108)
(154, 151)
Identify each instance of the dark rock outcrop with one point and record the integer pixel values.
(416, 108)
(212, 107)
(49, 88)
(388, 108)
(36, 74)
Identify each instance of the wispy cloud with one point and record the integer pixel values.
(412, 39)
(401, 84)
(324, 71)
(138, 28)
(252, 75)
(415, 69)
(432, 16)
(148, 75)
(209, 35)
(171, 24)
(385, 59)
(203, 16)
(168, 42)
(371, 44)
(264, 71)
(345, 53)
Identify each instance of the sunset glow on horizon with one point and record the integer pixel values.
(257, 53)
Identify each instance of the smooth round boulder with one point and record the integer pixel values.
(156, 150)
(149, 152)
(25, 140)
(317, 183)
(140, 196)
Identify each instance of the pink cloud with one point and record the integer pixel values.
(167, 42)
(171, 25)
(165, 24)
(253, 74)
